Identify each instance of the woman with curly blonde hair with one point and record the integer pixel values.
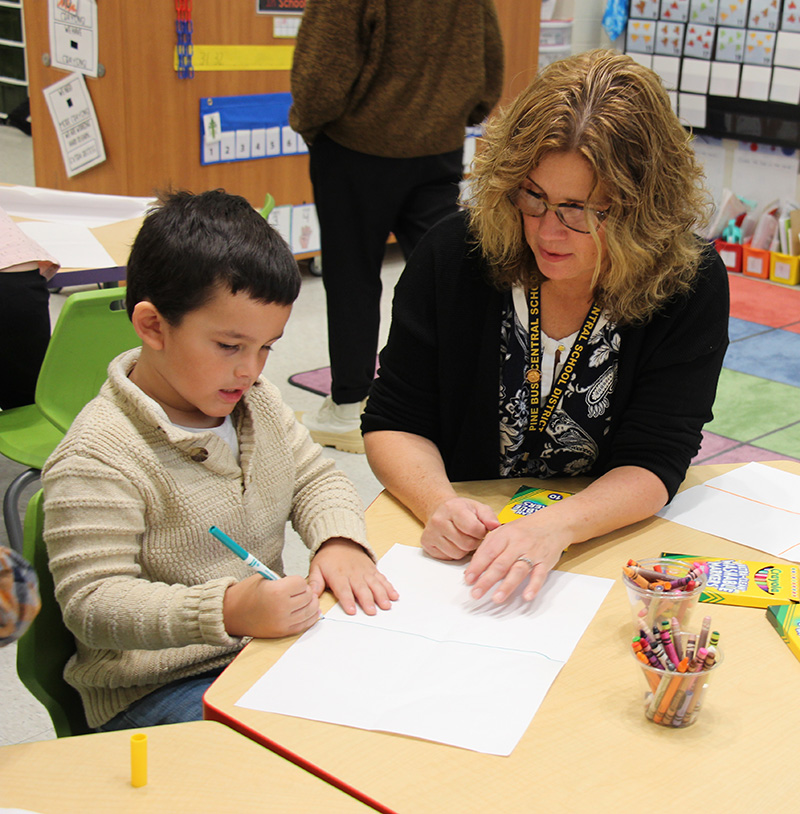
(570, 322)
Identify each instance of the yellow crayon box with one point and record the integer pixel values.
(786, 620)
(527, 500)
(747, 583)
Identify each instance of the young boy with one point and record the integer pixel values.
(185, 435)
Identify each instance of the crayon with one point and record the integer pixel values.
(666, 638)
(681, 713)
(674, 705)
(676, 637)
(666, 698)
(704, 630)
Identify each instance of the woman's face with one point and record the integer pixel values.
(563, 255)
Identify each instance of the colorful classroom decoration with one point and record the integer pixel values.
(732, 67)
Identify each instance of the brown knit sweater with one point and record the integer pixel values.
(396, 78)
(129, 498)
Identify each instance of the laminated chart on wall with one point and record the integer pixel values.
(731, 67)
(242, 128)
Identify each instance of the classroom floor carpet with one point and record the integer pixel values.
(757, 409)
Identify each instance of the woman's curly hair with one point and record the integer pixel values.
(617, 115)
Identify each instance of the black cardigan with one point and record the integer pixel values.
(439, 371)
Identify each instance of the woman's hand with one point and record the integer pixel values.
(456, 528)
(345, 568)
(269, 609)
(526, 549)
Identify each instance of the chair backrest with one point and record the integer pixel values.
(92, 328)
(46, 646)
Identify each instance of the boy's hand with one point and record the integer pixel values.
(345, 568)
(268, 609)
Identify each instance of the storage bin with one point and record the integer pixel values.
(555, 32)
(784, 268)
(731, 254)
(552, 53)
(755, 262)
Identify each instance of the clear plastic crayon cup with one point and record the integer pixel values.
(673, 698)
(653, 600)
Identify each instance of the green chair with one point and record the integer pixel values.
(46, 646)
(91, 330)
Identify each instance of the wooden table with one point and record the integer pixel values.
(589, 748)
(193, 767)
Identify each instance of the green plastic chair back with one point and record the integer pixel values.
(92, 329)
(269, 205)
(46, 646)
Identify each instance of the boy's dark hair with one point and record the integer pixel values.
(191, 245)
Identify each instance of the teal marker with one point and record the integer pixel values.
(249, 559)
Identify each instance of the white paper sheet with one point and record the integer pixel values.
(85, 208)
(755, 505)
(73, 246)
(438, 665)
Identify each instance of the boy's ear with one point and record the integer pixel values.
(148, 324)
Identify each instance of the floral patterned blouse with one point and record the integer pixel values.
(567, 446)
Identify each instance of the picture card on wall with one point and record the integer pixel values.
(643, 9)
(755, 82)
(785, 86)
(694, 75)
(703, 11)
(759, 47)
(674, 11)
(763, 14)
(787, 50)
(724, 79)
(732, 13)
(669, 69)
(790, 21)
(692, 109)
(699, 41)
(641, 36)
(669, 39)
(730, 44)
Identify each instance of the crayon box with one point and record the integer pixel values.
(786, 620)
(747, 583)
(527, 500)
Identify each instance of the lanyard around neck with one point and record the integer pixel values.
(538, 419)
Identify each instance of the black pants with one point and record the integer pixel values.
(24, 335)
(360, 199)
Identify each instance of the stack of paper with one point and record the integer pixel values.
(438, 665)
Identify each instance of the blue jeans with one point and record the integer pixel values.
(174, 703)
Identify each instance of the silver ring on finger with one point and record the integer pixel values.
(528, 561)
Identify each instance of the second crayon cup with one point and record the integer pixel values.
(651, 602)
(675, 698)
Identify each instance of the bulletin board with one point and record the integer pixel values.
(148, 114)
(732, 67)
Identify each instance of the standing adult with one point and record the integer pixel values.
(382, 91)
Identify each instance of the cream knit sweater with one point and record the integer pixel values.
(129, 499)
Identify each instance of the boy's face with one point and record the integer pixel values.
(210, 360)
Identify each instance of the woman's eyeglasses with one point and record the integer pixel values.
(574, 216)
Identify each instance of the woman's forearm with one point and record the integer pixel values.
(411, 468)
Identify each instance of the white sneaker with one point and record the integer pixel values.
(336, 425)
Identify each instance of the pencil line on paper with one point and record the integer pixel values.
(753, 500)
(446, 641)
